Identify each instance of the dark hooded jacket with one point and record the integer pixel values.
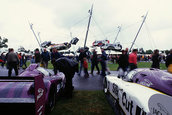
(68, 67)
(156, 61)
(65, 65)
(168, 60)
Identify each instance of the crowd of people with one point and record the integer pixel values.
(128, 62)
(16, 61)
(94, 59)
(125, 60)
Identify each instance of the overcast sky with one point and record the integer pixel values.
(56, 19)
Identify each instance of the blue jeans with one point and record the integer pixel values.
(81, 66)
(103, 64)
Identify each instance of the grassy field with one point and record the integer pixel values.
(83, 103)
(113, 67)
(148, 65)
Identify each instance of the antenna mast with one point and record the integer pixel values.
(31, 27)
(39, 37)
(119, 27)
(144, 18)
(90, 11)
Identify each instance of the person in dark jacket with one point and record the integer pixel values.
(94, 62)
(103, 62)
(68, 67)
(123, 62)
(13, 61)
(156, 58)
(6, 57)
(37, 56)
(55, 55)
(24, 60)
(45, 58)
(168, 61)
(82, 55)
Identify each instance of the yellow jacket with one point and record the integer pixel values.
(170, 68)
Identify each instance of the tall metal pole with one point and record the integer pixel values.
(144, 18)
(117, 34)
(90, 11)
(39, 38)
(31, 27)
(40, 41)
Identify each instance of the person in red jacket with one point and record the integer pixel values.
(20, 59)
(85, 64)
(133, 59)
(1, 61)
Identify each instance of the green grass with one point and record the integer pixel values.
(83, 103)
(148, 65)
(113, 67)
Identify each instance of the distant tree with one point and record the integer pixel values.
(3, 42)
(149, 51)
